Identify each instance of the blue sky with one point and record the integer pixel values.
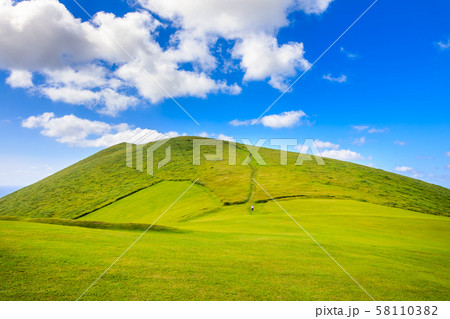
(378, 97)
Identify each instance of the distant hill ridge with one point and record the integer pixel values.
(104, 178)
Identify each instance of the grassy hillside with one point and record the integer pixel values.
(58, 235)
(234, 254)
(103, 178)
(147, 205)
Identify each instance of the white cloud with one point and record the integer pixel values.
(360, 141)
(381, 130)
(241, 123)
(224, 137)
(401, 143)
(444, 45)
(323, 145)
(448, 154)
(344, 155)
(76, 131)
(76, 57)
(370, 129)
(203, 134)
(112, 101)
(232, 18)
(360, 127)
(339, 79)
(221, 136)
(319, 144)
(403, 169)
(20, 79)
(262, 57)
(332, 150)
(348, 54)
(252, 24)
(285, 119)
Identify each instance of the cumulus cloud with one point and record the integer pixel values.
(252, 25)
(224, 137)
(332, 150)
(122, 54)
(344, 155)
(232, 18)
(401, 143)
(323, 145)
(75, 131)
(261, 57)
(448, 154)
(285, 119)
(339, 79)
(403, 169)
(20, 79)
(81, 64)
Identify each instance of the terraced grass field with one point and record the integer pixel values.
(209, 245)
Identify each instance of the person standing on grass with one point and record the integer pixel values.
(252, 207)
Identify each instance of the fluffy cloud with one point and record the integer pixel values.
(323, 145)
(76, 131)
(344, 155)
(122, 54)
(251, 24)
(285, 119)
(331, 150)
(401, 143)
(95, 63)
(448, 154)
(339, 79)
(403, 169)
(232, 18)
(261, 57)
(20, 79)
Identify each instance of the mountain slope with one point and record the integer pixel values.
(103, 178)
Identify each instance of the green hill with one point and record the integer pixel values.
(58, 235)
(103, 178)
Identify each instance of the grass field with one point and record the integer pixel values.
(231, 253)
(390, 232)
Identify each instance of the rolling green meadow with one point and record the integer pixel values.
(390, 232)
